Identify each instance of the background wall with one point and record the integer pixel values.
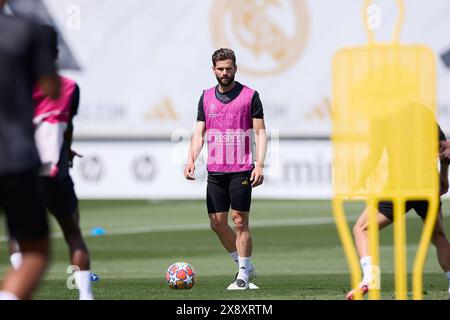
(142, 66)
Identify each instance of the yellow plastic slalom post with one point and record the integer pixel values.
(374, 286)
(347, 244)
(424, 243)
(385, 138)
(401, 279)
(398, 25)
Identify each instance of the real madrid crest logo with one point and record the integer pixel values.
(269, 36)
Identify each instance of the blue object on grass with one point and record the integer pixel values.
(94, 277)
(97, 231)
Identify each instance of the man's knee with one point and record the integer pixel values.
(240, 222)
(359, 228)
(217, 225)
(217, 222)
(438, 235)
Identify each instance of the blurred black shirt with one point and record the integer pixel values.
(24, 58)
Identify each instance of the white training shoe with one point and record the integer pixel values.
(363, 288)
(240, 284)
(251, 274)
(234, 286)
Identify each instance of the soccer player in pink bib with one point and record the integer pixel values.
(231, 120)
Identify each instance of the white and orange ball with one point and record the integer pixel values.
(180, 275)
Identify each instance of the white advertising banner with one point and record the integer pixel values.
(153, 170)
(142, 65)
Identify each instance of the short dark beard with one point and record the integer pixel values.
(223, 84)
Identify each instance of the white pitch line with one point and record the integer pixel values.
(204, 226)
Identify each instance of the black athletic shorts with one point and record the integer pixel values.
(59, 196)
(421, 207)
(22, 201)
(227, 189)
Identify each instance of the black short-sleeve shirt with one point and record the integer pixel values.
(442, 136)
(75, 101)
(63, 163)
(256, 106)
(24, 58)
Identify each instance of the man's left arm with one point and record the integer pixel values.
(257, 176)
(69, 131)
(257, 113)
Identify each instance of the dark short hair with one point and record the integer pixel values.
(223, 54)
(50, 36)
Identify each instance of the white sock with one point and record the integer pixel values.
(448, 277)
(234, 256)
(245, 264)
(16, 260)
(5, 295)
(366, 264)
(83, 281)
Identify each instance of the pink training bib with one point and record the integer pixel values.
(229, 131)
(51, 117)
(53, 110)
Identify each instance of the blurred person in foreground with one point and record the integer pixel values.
(53, 136)
(25, 60)
(387, 135)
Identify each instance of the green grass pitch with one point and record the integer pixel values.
(297, 252)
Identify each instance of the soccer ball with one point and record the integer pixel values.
(180, 275)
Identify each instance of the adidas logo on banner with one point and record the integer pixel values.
(163, 110)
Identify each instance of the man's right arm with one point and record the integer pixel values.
(195, 148)
(196, 141)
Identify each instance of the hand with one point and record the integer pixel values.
(444, 149)
(72, 155)
(443, 188)
(257, 176)
(189, 171)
